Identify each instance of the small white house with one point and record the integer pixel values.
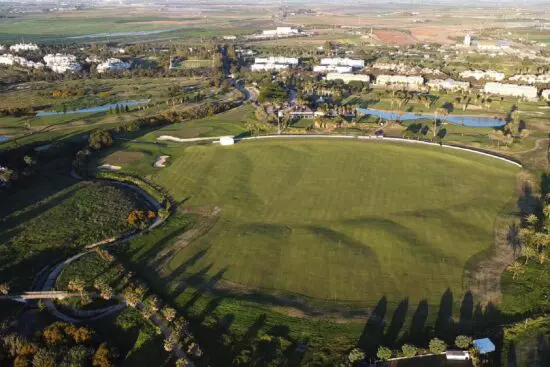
(227, 140)
(457, 355)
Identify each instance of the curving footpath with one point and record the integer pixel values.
(92, 315)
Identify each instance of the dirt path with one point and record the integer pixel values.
(535, 148)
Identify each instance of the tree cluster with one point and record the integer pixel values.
(59, 344)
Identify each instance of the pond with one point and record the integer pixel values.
(121, 34)
(4, 138)
(464, 120)
(102, 108)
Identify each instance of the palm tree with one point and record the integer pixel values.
(440, 112)
(528, 252)
(516, 269)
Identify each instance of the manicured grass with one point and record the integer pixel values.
(340, 221)
(228, 123)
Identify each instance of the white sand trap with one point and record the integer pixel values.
(109, 167)
(161, 161)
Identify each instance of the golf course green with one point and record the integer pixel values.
(335, 220)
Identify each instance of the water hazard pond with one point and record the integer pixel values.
(102, 108)
(464, 120)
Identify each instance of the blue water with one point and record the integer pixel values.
(121, 34)
(105, 107)
(4, 138)
(465, 120)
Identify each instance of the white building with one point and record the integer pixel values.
(399, 79)
(227, 140)
(268, 66)
(467, 40)
(62, 63)
(1, 47)
(23, 47)
(545, 94)
(513, 90)
(92, 59)
(448, 84)
(480, 74)
(457, 355)
(276, 60)
(273, 63)
(229, 38)
(332, 68)
(280, 31)
(531, 78)
(113, 65)
(349, 77)
(339, 61)
(9, 59)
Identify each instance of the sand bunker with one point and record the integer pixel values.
(109, 167)
(161, 161)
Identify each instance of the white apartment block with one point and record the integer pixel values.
(448, 84)
(480, 74)
(62, 63)
(280, 31)
(513, 90)
(531, 78)
(23, 47)
(399, 79)
(9, 59)
(268, 66)
(276, 60)
(113, 65)
(339, 61)
(332, 68)
(349, 77)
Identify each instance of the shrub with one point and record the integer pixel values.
(356, 355)
(437, 346)
(463, 342)
(408, 350)
(384, 353)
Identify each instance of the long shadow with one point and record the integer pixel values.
(527, 201)
(373, 332)
(418, 334)
(444, 324)
(466, 313)
(397, 322)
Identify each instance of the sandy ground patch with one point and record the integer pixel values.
(437, 34)
(161, 161)
(394, 38)
(109, 167)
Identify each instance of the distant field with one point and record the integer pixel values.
(350, 233)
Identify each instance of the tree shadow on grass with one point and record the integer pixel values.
(444, 324)
(417, 333)
(373, 332)
(397, 322)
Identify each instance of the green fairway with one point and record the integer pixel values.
(339, 220)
